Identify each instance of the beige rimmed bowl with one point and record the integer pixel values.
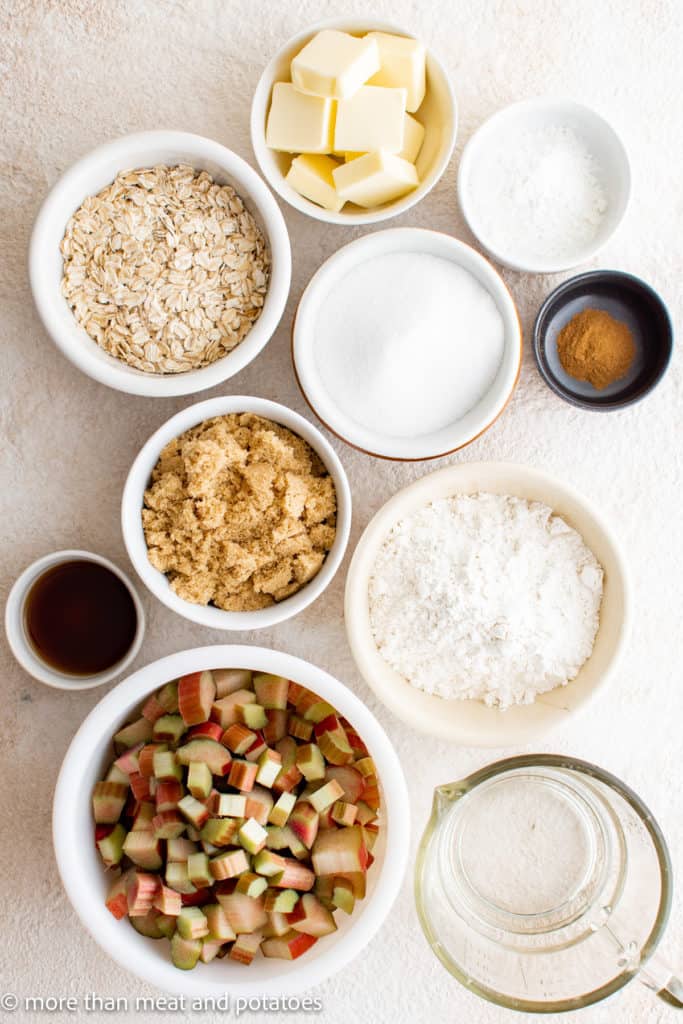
(471, 722)
(438, 113)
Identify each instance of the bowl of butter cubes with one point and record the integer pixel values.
(353, 123)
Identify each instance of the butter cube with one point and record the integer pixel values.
(374, 179)
(298, 123)
(413, 136)
(335, 64)
(372, 119)
(402, 65)
(312, 177)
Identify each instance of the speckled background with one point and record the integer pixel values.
(78, 72)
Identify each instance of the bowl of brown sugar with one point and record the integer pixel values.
(603, 340)
(236, 513)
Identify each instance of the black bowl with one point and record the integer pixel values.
(626, 298)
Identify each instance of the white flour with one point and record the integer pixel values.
(485, 596)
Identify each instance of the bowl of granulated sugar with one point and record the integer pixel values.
(543, 184)
(407, 344)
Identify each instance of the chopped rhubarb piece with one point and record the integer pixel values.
(168, 795)
(289, 946)
(185, 952)
(268, 863)
(343, 813)
(211, 802)
(303, 822)
(224, 710)
(252, 836)
(294, 693)
(141, 891)
(149, 924)
(168, 729)
(140, 787)
(197, 898)
(245, 947)
(357, 880)
(220, 831)
(313, 708)
(280, 901)
(209, 751)
(178, 878)
(365, 813)
(276, 727)
(324, 889)
(136, 732)
(229, 680)
(333, 741)
(166, 767)
(245, 913)
(111, 846)
(371, 797)
(299, 728)
(243, 775)
(179, 849)
(350, 780)
(311, 917)
(282, 808)
(108, 800)
(146, 758)
(193, 811)
(210, 949)
(310, 762)
(229, 864)
(293, 876)
(143, 817)
(259, 803)
(252, 715)
(251, 884)
(102, 831)
(299, 849)
(271, 691)
(366, 766)
(269, 765)
(116, 775)
(143, 849)
(257, 747)
(168, 697)
(168, 825)
(238, 738)
(326, 795)
(152, 709)
(220, 928)
(209, 730)
(192, 833)
(117, 898)
(198, 870)
(165, 924)
(129, 762)
(289, 776)
(277, 922)
(336, 851)
(343, 896)
(370, 835)
(199, 780)
(355, 742)
(167, 901)
(231, 805)
(196, 694)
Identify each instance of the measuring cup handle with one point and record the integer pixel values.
(661, 979)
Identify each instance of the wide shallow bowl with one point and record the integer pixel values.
(438, 113)
(455, 435)
(24, 651)
(627, 299)
(139, 479)
(86, 882)
(498, 134)
(86, 178)
(471, 722)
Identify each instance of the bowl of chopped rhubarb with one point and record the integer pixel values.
(231, 819)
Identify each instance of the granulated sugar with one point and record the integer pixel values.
(485, 596)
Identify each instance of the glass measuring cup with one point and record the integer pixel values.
(543, 884)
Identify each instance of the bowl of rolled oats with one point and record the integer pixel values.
(160, 264)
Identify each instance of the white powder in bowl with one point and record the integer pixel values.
(485, 596)
(407, 343)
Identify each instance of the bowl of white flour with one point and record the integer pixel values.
(486, 603)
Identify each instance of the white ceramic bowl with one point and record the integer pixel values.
(87, 177)
(138, 481)
(22, 648)
(498, 133)
(471, 722)
(438, 112)
(85, 880)
(462, 431)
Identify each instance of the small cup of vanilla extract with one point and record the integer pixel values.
(74, 620)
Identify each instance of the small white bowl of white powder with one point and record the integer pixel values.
(407, 344)
(543, 184)
(486, 602)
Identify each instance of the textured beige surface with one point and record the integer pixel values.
(79, 72)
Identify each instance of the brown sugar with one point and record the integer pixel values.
(241, 513)
(596, 348)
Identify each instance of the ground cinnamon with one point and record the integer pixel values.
(596, 348)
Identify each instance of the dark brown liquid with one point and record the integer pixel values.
(80, 618)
